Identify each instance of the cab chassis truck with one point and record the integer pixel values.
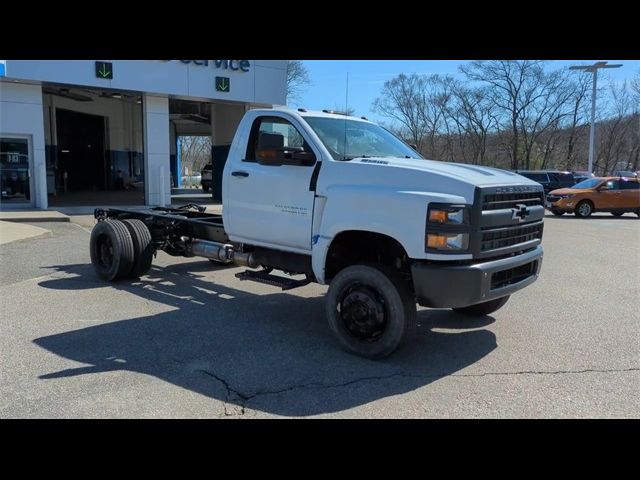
(337, 200)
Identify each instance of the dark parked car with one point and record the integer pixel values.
(550, 179)
(206, 177)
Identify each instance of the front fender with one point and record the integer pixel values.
(399, 214)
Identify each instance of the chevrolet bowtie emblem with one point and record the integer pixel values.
(521, 212)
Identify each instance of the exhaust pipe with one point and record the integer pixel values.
(215, 251)
(220, 252)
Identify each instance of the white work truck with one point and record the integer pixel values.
(337, 200)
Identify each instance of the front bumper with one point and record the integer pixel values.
(450, 286)
(560, 204)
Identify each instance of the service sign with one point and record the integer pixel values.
(261, 82)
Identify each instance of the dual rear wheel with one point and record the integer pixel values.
(121, 249)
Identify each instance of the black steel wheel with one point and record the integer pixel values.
(370, 309)
(112, 251)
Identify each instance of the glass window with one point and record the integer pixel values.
(591, 183)
(612, 185)
(14, 170)
(536, 177)
(347, 139)
(277, 125)
(629, 184)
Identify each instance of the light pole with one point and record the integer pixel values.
(592, 129)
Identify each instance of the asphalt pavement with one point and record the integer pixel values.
(191, 340)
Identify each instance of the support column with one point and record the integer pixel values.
(157, 165)
(22, 114)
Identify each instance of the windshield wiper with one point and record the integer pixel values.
(346, 159)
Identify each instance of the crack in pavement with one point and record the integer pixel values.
(241, 398)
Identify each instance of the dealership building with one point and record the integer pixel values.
(107, 132)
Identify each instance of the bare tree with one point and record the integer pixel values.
(402, 100)
(635, 85)
(512, 114)
(545, 102)
(474, 116)
(297, 79)
(616, 149)
(435, 103)
(195, 153)
(577, 117)
(513, 87)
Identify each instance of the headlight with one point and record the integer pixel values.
(448, 241)
(447, 227)
(448, 215)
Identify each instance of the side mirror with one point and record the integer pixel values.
(272, 152)
(270, 149)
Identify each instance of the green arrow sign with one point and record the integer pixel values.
(223, 84)
(104, 70)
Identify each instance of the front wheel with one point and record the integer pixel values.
(584, 209)
(484, 308)
(370, 309)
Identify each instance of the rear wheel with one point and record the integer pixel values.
(370, 309)
(584, 209)
(142, 246)
(112, 251)
(617, 214)
(484, 308)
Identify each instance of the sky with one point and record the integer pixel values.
(366, 78)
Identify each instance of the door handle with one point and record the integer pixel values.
(240, 174)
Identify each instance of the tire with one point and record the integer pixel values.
(142, 246)
(557, 213)
(584, 209)
(111, 249)
(484, 308)
(370, 309)
(617, 214)
(638, 213)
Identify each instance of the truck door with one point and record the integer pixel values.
(271, 205)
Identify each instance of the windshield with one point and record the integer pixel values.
(362, 139)
(591, 183)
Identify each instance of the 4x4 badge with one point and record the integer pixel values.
(521, 212)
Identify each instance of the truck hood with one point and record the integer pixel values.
(471, 174)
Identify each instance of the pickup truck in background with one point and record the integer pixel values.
(337, 200)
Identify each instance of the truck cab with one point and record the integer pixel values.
(348, 204)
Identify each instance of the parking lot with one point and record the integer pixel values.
(191, 340)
